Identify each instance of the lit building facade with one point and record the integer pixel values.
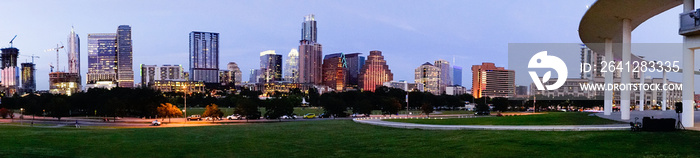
(64, 83)
(291, 70)
(179, 86)
(334, 71)
(310, 53)
(455, 90)
(428, 76)
(102, 59)
(152, 73)
(28, 77)
(489, 80)
(125, 66)
(404, 86)
(374, 72)
(204, 57)
(237, 74)
(271, 64)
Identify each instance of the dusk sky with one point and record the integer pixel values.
(409, 33)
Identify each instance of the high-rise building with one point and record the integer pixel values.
(10, 72)
(428, 76)
(149, 73)
(354, 64)
(291, 71)
(28, 77)
(237, 74)
(255, 76)
(334, 71)
(374, 72)
(102, 59)
(152, 73)
(204, 57)
(445, 77)
(125, 67)
(226, 78)
(310, 53)
(308, 28)
(521, 90)
(489, 80)
(456, 75)
(74, 53)
(271, 63)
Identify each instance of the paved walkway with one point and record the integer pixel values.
(379, 122)
(651, 113)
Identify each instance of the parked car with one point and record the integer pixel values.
(324, 115)
(195, 117)
(155, 123)
(234, 117)
(359, 115)
(309, 116)
(288, 117)
(485, 112)
(212, 118)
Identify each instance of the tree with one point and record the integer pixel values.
(333, 104)
(500, 104)
(390, 106)
(169, 110)
(278, 107)
(213, 111)
(427, 108)
(4, 112)
(248, 108)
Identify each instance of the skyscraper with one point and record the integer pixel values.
(102, 59)
(445, 77)
(237, 74)
(354, 64)
(271, 66)
(73, 52)
(149, 73)
(489, 80)
(456, 75)
(374, 72)
(334, 71)
(310, 53)
(28, 79)
(125, 67)
(428, 76)
(204, 57)
(291, 71)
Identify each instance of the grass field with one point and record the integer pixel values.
(337, 138)
(554, 118)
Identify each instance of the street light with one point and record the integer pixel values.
(21, 116)
(185, 91)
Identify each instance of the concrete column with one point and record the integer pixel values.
(607, 106)
(687, 117)
(664, 101)
(641, 90)
(626, 56)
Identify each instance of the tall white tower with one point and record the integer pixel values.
(291, 72)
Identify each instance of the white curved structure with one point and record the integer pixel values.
(607, 27)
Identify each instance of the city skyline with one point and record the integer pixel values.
(342, 27)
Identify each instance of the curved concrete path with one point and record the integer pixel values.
(380, 122)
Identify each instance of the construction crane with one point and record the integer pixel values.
(13, 39)
(56, 49)
(31, 56)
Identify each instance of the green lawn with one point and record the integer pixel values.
(554, 118)
(337, 138)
